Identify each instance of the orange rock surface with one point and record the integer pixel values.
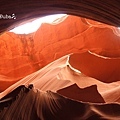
(22, 55)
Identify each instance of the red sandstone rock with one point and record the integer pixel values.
(102, 68)
(23, 54)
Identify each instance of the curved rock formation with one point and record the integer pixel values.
(91, 47)
(24, 54)
(26, 10)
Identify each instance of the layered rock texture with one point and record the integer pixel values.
(73, 63)
(23, 54)
(22, 11)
